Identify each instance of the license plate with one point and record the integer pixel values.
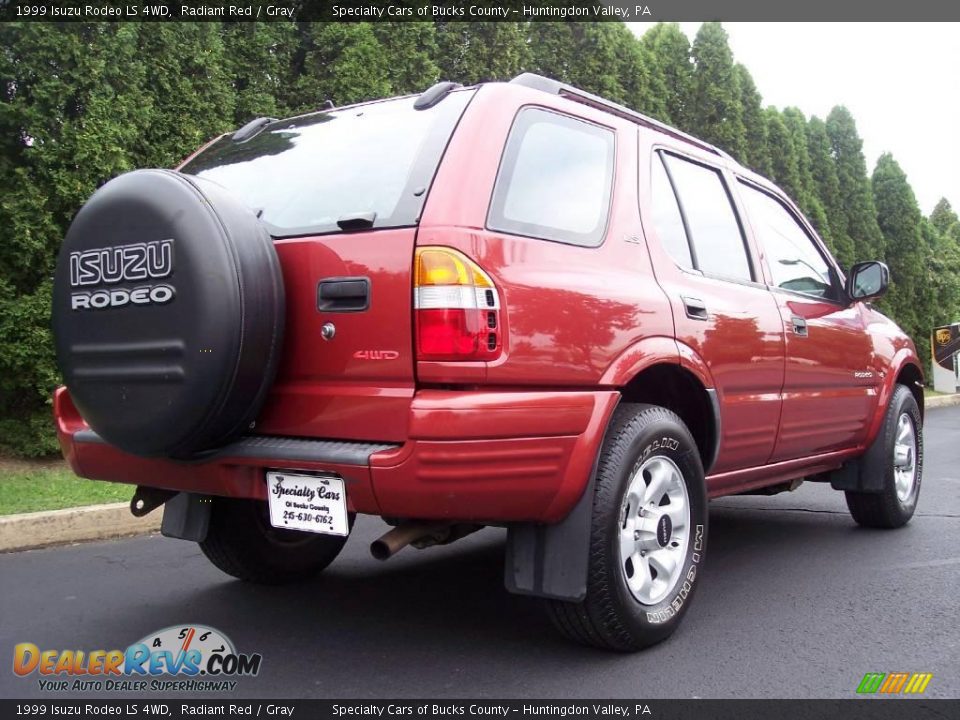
(307, 502)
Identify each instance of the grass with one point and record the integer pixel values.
(30, 487)
(930, 392)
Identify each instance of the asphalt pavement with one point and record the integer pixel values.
(796, 602)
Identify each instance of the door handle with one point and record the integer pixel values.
(799, 325)
(343, 294)
(695, 308)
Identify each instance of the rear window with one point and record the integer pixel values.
(305, 174)
(555, 179)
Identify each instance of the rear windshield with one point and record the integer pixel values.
(370, 161)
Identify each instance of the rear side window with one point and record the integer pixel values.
(555, 179)
(795, 263)
(666, 216)
(303, 175)
(718, 245)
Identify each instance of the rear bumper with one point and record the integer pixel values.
(480, 456)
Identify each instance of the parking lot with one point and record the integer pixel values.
(796, 602)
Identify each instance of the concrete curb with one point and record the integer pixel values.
(59, 527)
(941, 401)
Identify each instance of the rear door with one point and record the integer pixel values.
(341, 192)
(720, 310)
(832, 374)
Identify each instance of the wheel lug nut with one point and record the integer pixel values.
(636, 534)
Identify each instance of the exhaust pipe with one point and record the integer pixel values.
(397, 539)
(420, 535)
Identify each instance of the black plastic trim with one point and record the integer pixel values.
(717, 427)
(283, 449)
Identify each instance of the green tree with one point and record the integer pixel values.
(591, 59)
(71, 106)
(668, 49)
(191, 93)
(410, 49)
(473, 52)
(823, 170)
(783, 156)
(341, 62)
(716, 112)
(756, 150)
(945, 220)
(602, 58)
(644, 88)
(911, 298)
(943, 233)
(807, 196)
(856, 200)
(258, 58)
(943, 273)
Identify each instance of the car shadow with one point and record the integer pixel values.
(401, 618)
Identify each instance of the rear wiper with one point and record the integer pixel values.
(356, 221)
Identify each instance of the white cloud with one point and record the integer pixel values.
(901, 82)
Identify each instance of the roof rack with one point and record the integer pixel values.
(434, 94)
(555, 87)
(252, 128)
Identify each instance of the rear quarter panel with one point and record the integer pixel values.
(570, 312)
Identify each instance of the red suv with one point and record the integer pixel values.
(516, 304)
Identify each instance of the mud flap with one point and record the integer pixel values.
(186, 516)
(866, 473)
(551, 561)
(858, 476)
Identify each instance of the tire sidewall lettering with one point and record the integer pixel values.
(668, 610)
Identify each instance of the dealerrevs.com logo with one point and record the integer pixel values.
(178, 658)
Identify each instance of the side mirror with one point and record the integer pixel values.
(868, 280)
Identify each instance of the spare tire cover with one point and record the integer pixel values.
(167, 313)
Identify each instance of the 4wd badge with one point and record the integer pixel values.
(376, 355)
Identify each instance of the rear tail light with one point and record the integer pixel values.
(457, 307)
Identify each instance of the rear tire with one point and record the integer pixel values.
(242, 543)
(643, 569)
(896, 455)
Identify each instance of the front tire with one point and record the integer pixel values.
(897, 456)
(648, 534)
(242, 543)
